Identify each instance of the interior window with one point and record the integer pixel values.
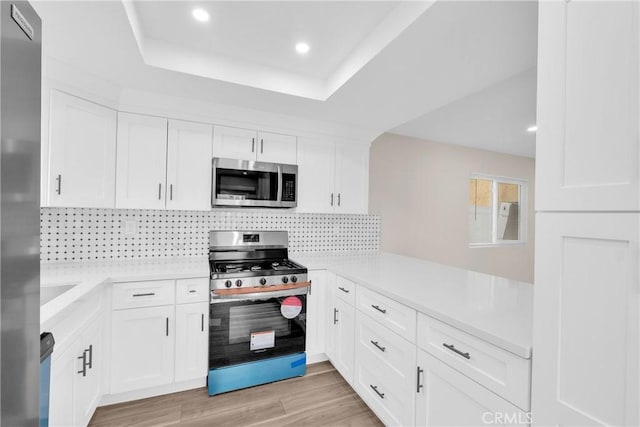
(497, 211)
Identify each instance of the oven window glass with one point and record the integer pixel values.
(246, 185)
(245, 319)
(247, 331)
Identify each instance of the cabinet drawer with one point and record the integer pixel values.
(142, 294)
(395, 316)
(385, 345)
(499, 370)
(192, 290)
(389, 396)
(346, 290)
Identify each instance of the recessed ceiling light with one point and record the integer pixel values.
(302, 47)
(532, 128)
(200, 15)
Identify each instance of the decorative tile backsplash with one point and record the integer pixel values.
(75, 234)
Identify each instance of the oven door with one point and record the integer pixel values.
(243, 331)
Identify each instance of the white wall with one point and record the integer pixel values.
(421, 191)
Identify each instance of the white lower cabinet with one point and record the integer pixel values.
(316, 317)
(192, 337)
(385, 371)
(341, 334)
(154, 341)
(76, 378)
(407, 367)
(142, 348)
(445, 397)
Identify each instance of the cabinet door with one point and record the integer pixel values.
(445, 397)
(234, 143)
(142, 348)
(189, 166)
(192, 338)
(64, 370)
(276, 148)
(344, 331)
(352, 178)
(88, 386)
(82, 153)
(316, 170)
(142, 161)
(588, 120)
(316, 315)
(586, 324)
(330, 341)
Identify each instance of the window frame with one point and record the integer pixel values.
(523, 199)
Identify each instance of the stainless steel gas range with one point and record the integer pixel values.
(257, 315)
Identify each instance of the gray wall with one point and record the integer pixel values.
(421, 190)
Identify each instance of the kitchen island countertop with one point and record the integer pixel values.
(495, 309)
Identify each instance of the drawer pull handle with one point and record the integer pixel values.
(335, 316)
(381, 310)
(346, 291)
(455, 350)
(148, 294)
(375, 388)
(418, 385)
(192, 291)
(378, 345)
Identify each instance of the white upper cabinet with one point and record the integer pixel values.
(189, 166)
(142, 161)
(82, 146)
(234, 143)
(333, 178)
(245, 144)
(587, 145)
(316, 165)
(276, 148)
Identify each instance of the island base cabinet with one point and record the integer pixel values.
(445, 397)
(142, 348)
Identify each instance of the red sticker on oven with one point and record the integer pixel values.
(291, 307)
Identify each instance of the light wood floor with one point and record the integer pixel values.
(320, 398)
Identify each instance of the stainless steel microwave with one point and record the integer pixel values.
(238, 183)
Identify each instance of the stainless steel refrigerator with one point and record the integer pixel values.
(20, 79)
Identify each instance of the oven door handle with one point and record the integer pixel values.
(216, 299)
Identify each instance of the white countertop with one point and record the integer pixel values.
(495, 309)
(91, 274)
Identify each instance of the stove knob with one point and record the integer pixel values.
(238, 283)
(227, 283)
(285, 279)
(263, 281)
(294, 279)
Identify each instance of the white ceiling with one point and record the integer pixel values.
(253, 43)
(451, 51)
(495, 118)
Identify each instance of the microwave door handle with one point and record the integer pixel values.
(279, 198)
